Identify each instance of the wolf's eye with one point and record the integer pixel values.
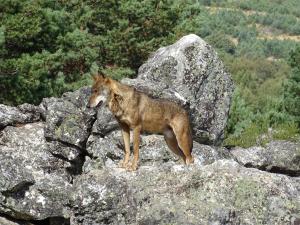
(95, 91)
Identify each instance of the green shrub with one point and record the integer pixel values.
(247, 138)
(222, 42)
(286, 131)
(292, 87)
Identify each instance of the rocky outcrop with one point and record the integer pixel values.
(277, 156)
(59, 163)
(223, 192)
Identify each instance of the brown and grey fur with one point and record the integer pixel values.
(136, 111)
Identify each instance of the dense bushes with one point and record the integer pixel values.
(49, 47)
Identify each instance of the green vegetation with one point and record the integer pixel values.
(49, 47)
(292, 87)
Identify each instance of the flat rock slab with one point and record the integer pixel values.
(109, 150)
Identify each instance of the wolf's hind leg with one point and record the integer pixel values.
(183, 135)
(171, 141)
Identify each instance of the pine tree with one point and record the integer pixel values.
(292, 87)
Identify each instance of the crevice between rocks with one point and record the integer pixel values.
(276, 170)
(52, 221)
(19, 190)
(267, 168)
(77, 163)
(48, 221)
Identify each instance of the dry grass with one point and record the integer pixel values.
(235, 41)
(280, 37)
(269, 33)
(214, 9)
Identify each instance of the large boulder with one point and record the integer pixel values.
(99, 198)
(277, 156)
(190, 73)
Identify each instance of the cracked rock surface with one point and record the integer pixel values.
(59, 160)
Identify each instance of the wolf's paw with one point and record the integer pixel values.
(189, 160)
(123, 164)
(131, 167)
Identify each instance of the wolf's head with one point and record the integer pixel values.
(99, 90)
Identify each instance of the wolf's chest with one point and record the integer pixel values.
(121, 110)
(126, 119)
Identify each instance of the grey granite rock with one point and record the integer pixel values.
(21, 114)
(33, 183)
(99, 198)
(105, 122)
(68, 120)
(223, 192)
(277, 156)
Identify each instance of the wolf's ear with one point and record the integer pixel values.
(104, 78)
(97, 76)
(101, 75)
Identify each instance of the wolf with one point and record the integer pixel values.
(136, 111)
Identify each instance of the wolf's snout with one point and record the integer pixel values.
(88, 105)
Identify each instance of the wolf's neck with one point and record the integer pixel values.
(117, 87)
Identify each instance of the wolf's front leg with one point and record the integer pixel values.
(126, 138)
(136, 145)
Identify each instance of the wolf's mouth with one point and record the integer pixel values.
(99, 104)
